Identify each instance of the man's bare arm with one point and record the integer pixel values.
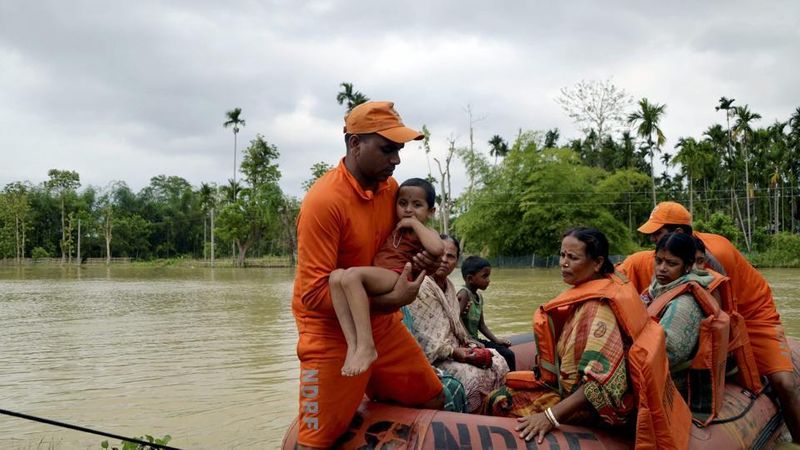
(403, 293)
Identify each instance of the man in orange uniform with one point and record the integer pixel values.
(752, 295)
(344, 218)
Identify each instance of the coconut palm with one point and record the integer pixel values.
(351, 96)
(235, 121)
(647, 117)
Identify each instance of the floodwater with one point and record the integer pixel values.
(206, 356)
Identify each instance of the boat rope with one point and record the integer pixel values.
(753, 398)
(86, 430)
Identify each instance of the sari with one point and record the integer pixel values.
(681, 323)
(592, 355)
(435, 323)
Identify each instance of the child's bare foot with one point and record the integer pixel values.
(360, 361)
(351, 350)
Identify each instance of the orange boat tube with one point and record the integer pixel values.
(746, 421)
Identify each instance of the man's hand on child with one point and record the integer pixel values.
(408, 289)
(403, 293)
(505, 342)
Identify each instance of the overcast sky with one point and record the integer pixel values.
(130, 90)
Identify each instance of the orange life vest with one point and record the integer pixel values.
(663, 418)
(739, 342)
(707, 367)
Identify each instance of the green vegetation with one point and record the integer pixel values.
(738, 180)
(125, 445)
(39, 253)
(167, 219)
(782, 250)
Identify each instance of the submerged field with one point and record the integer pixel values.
(207, 356)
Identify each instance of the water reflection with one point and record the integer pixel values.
(205, 355)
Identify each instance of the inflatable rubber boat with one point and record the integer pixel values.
(747, 421)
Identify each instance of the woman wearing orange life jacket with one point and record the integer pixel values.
(674, 261)
(697, 330)
(596, 346)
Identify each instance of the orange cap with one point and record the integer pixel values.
(381, 118)
(666, 213)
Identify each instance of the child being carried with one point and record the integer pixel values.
(351, 288)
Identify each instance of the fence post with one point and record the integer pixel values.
(79, 241)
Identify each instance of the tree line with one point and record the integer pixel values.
(738, 179)
(168, 218)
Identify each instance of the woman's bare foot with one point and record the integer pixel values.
(359, 362)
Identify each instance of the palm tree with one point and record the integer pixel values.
(352, 97)
(207, 201)
(229, 190)
(235, 121)
(774, 165)
(628, 149)
(687, 158)
(499, 147)
(726, 104)
(551, 138)
(647, 118)
(719, 140)
(793, 159)
(743, 118)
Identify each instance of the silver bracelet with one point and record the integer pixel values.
(551, 417)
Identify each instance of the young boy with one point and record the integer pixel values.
(476, 272)
(351, 288)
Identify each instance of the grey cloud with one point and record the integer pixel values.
(149, 82)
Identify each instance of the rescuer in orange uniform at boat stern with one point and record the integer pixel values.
(753, 298)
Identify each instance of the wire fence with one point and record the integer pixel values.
(524, 261)
(264, 262)
(535, 261)
(59, 261)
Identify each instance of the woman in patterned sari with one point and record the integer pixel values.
(433, 319)
(592, 381)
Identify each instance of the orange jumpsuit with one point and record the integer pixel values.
(752, 295)
(339, 226)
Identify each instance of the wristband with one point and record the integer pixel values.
(551, 417)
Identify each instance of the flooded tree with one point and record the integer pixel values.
(255, 212)
(63, 183)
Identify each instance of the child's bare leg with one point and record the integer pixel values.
(358, 284)
(343, 313)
